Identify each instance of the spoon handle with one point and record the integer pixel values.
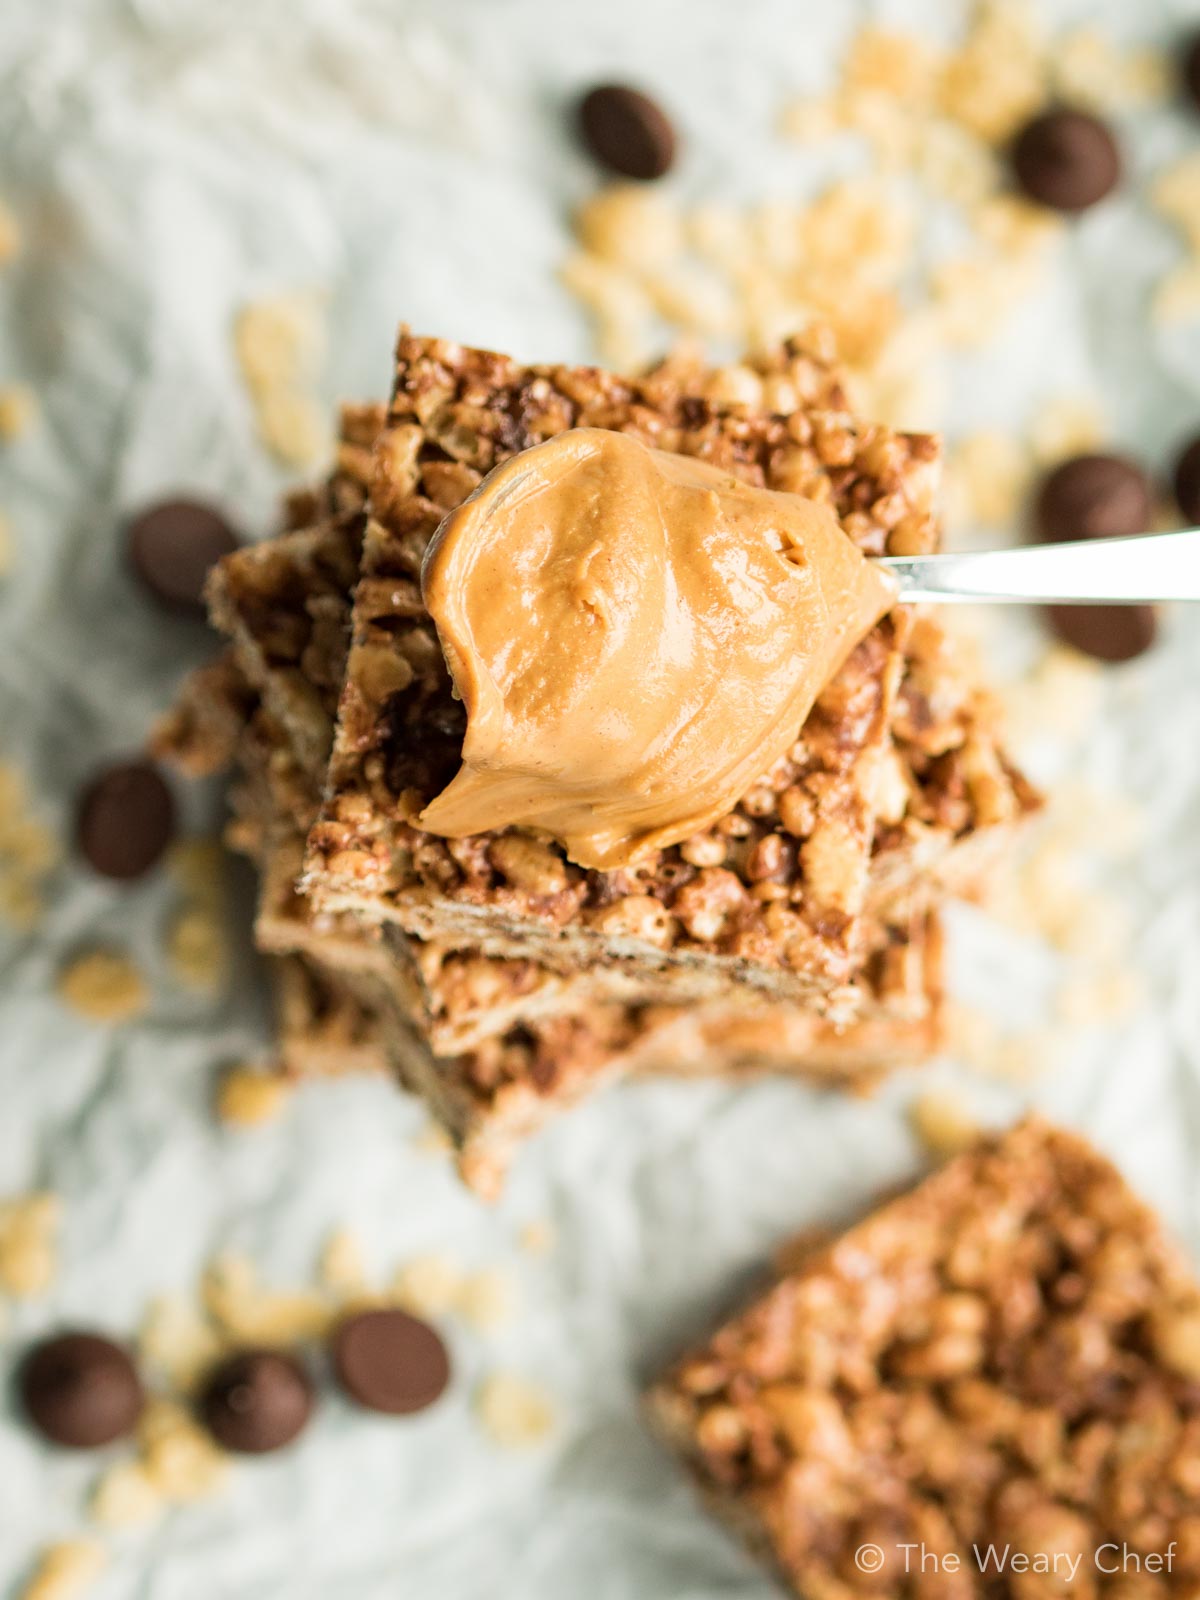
(1142, 570)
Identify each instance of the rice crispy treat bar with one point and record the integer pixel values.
(493, 1057)
(1007, 1355)
(773, 896)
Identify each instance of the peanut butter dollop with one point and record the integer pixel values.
(636, 636)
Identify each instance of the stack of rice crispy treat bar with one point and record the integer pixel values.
(498, 980)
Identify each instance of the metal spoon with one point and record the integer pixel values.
(1142, 570)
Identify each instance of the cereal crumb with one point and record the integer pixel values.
(18, 409)
(29, 852)
(65, 1570)
(279, 340)
(537, 1237)
(199, 866)
(513, 1411)
(942, 1123)
(29, 1244)
(1066, 425)
(485, 1298)
(103, 986)
(247, 1096)
(197, 949)
(178, 1340)
(292, 425)
(343, 1269)
(245, 1311)
(427, 1285)
(1100, 998)
(1177, 296)
(125, 1495)
(179, 1458)
(279, 343)
(995, 471)
(10, 235)
(432, 1141)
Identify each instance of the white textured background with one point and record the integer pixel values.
(169, 159)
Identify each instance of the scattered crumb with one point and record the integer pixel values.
(29, 1226)
(486, 1298)
(1066, 425)
(1100, 999)
(199, 867)
(537, 1237)
(1177, 296)
(942, 1123)
(126, 1495)
(515, 1412)
(1092, 72)
(178, 1340)
(976, 1040)
(248, 1096)
(279, 340)
(294, 427)
(10, 235)
(343, 1269)
(1060, 698)
(197, 949)
(29, 852)
(1175, 193)
(6, 546)
(997, 79)
(433, 1141)
(427, 1285)
(251, 1314)
(18, 409)
(103, 986)
(279, 343)
(178, 1456)
(995, 473)
(65, 1570)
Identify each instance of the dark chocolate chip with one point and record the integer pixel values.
(1066, 159)
(257, 1401)
(1094, 497)
(1191, 69)
(389, 1361)
(173, 545)
(1109, 633)
(626, 131)
(80, 1390)
(1187, 482)
(125, 820)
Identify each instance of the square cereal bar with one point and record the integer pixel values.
(773, 896)
(1006, 1356)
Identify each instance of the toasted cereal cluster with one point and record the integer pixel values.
(782, 877)
(1011, 1352)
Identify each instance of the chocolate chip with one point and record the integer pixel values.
(80, 1389)
(1191, 69)
(1094, 497)
(626, 131)
(1109, 633)
(173, 545)
(389, 1361)
(1187, 482)
(1066, 159)
(125, 820)
(257, 1401)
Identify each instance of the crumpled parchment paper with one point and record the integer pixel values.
(168, 160)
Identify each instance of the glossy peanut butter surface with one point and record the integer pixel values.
(636, 637)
